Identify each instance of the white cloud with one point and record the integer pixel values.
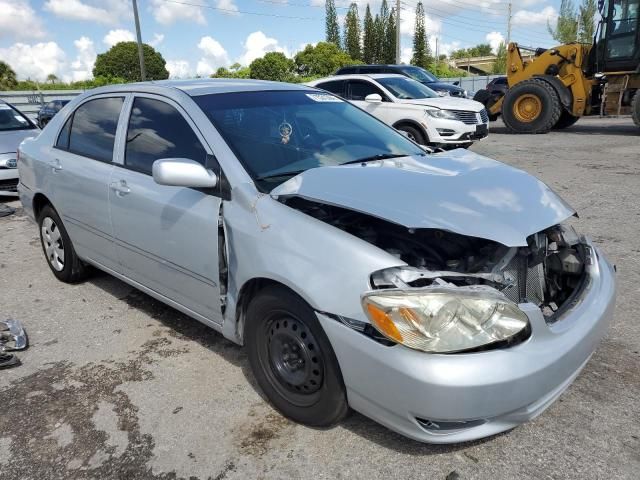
(257, 44)
(526, 17)
(179, 69)
(34, 61)
(227, 7)
(19, 19)
(447, 48)
(117, 36)
(408, 24)
(214, 56)
(494, 39)
(157, 39)
(105, 11)
(82, 66)
(167, 13)
(406, 54)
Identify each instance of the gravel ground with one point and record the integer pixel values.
(116, 385)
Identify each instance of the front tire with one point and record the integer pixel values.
(531, 106)
(413, 134)
(58, 249)
(292, 359)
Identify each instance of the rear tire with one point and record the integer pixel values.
(635, 108)
(565, 121)
(531, 106)
(414, 134)
(292, 359)
(58, 249)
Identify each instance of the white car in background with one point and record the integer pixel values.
(413, 108)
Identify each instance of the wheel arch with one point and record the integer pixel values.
(564, 93)
(248, 291)
(39, 201)
(412, 123)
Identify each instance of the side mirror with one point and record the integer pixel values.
(182, 172)
(373, 98)
(456, 83)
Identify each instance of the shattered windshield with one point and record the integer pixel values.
(278, 134)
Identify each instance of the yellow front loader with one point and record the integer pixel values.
(562, 84)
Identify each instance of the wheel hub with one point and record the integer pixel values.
(52, 243)
(527, 108)
(294, 357)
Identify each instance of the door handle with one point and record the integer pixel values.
(56, 166)
(121, 188)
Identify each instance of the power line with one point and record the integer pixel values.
(244, 12)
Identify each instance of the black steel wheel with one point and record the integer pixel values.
(292, 359)
(635, 108)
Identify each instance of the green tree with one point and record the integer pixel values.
(420, 45)
(8, 80)
(586, 21)
(369, 38)
(52, 78)
(273, 66)
(382, 33)
(321, 60)
(331, 23)
(566, 29)
(378, 32)
(389, 41)
(121, 60)
(500, 65)
(352, 32)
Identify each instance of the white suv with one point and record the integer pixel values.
(413, 108)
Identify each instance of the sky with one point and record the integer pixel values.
(63, 37)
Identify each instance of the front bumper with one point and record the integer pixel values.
(453, 398)
(9, 181)
(453, 132)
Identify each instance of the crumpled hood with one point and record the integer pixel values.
(457, 191)
(446, 103)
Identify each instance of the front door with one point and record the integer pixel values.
(166, 237)
(357, 91)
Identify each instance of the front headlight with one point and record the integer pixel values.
(437, 113)
(439, 320)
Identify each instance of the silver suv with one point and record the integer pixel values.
(440, 294)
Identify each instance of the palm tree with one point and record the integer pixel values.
(51, 78)
(8, 79)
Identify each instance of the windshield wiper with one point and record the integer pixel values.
(379, 156)
(278, 175)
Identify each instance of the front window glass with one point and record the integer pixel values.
(359, 90)
(624, 28)
(406, 88)
(420, 74)
(157, 130)
(278, 134)
(12, 119)
(93, 131)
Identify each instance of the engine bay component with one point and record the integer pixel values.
(546, 272)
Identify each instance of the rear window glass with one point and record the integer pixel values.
(93, 130)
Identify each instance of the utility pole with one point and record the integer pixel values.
(398, 49)
(509, 26)
(143, 73)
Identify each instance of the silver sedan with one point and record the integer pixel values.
(445, 295)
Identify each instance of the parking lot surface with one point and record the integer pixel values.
(117, 385)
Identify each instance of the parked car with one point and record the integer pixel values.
(410, 107)
(439, 294)
(46, 113)
(417, 73)
(14, 127)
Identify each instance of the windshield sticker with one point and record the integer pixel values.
(323, 97)
(20, 119)
(4, 107)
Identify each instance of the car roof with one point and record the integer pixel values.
(202, 86)
(358, 76)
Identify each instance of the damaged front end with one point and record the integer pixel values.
(456, 292)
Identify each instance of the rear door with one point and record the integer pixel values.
(166, 237)
(334, 86)
(80, 171)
